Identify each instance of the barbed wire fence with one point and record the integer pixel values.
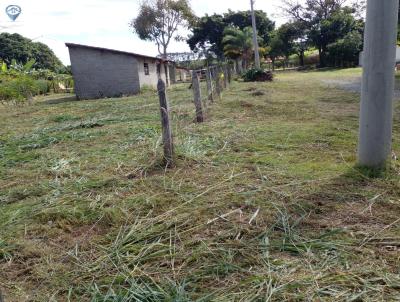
(217, 77)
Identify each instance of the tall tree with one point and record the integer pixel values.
(287, 40)
(239, 44)
(327, 21)
(207, 35)
(300, 43)
(21, 49)
(345, 52)
(160, 20)
(242, 19)
(208, 31)
(275, 48)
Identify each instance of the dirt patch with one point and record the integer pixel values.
(353, 85)
(245, 104)
(251, 88)
(258, 93)
(345, 203)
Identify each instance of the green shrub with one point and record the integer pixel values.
(278, 64)
(258, 75)
(43, 86)
(20, 89)
(20, 82)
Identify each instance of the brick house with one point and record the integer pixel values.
(101, 72)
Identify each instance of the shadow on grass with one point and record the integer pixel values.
(359, 199)
(325, 69)
(61, 100)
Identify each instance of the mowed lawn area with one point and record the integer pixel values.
(265, 202)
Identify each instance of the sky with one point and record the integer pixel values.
(104, 23)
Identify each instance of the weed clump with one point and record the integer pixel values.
(258, 75)
(18, 90)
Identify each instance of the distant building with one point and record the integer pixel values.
(101, 72)
(182, 74)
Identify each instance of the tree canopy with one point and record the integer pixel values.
(208, 31)
(159, 21)
(327, 21)
(284, 39)
(238, 44)
(21, 49)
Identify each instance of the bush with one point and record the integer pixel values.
(312, 59)
(43, 86)
(258, 75)
(278, 65)
(21, 88)
(345, 52)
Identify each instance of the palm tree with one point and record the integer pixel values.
(238, 44)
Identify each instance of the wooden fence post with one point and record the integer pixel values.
(209, 85)
(225, 73)
(218, 87)
(165, 123)
(229, 69)
(221, 78)
(197, 97)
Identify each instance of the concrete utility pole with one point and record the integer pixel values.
(255, 41)
(379, 59)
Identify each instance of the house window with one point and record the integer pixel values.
(146, 69)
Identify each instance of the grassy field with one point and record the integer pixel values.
(265, 203)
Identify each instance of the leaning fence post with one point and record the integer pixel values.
(197, 97)
(209, 85)
(165, 123)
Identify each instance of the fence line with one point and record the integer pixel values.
(166, 126)
(197, 97)
(217, 77)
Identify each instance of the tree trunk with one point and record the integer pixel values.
(165, 57)
(301, 57)
(322, 52)
(244, 64)
(238, 69)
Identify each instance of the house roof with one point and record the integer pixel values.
(71, 45)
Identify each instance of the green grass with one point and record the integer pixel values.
(89, 214)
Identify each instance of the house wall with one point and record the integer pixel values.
(182, 75)
(150, 80)
(172, 73)
(99, 73)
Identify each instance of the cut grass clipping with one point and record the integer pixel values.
(264, 204)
